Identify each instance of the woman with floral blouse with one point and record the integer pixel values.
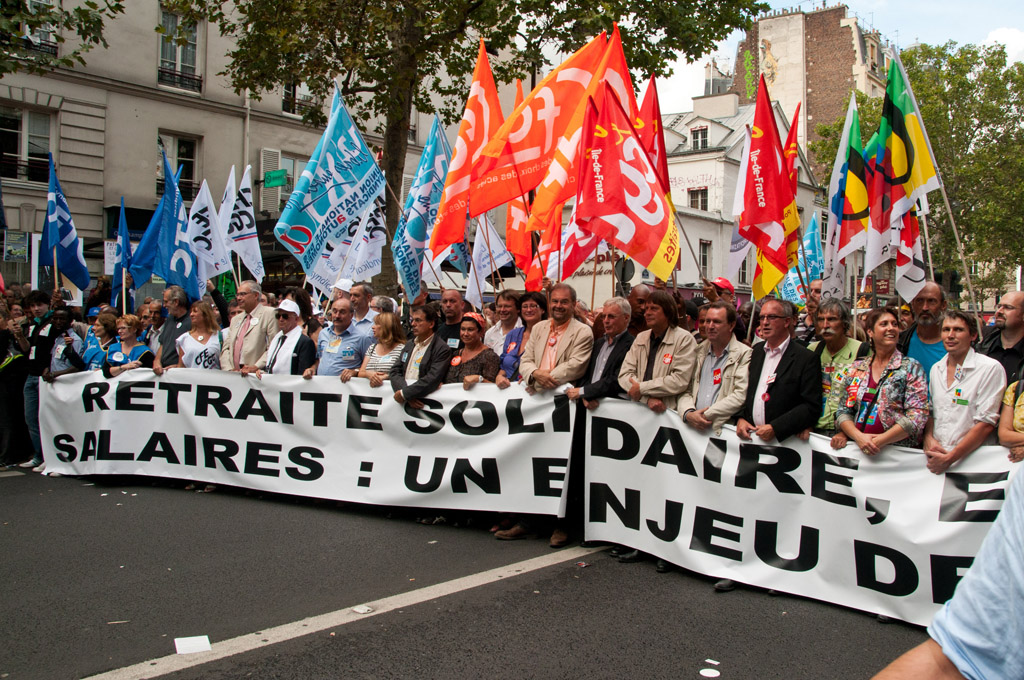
(883, 399)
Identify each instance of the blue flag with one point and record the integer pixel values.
(811, 263)
(144, 258)
(175, 261)
(420, 210)
(123, 257)
(338, 184)
(59, 232)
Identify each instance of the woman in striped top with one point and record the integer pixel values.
(387, 329)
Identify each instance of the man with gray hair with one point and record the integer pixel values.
(249, 334)
(362, 316)
(837, 352)
(177, 324)
(602, 376)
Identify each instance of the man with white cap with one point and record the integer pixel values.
(290, 351)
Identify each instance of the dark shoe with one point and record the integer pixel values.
(724, 585)
(882, 618)
(619, 550)
(663, 567)
(559, 539)
(632, 556)
(592, 544)
(513, 534)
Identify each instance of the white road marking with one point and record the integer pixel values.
(315, 624)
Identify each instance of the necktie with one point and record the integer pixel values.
(273, 356)
(239, 339)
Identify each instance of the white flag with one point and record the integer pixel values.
(489, 253)
(364, 259)
(205, 236)
(242, 235)
(227, 202)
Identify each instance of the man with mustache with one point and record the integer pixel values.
(923, 340)
(837, 351)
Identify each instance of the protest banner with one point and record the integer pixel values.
(484, 449)
(881, 533)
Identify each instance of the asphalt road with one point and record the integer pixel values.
(103, 573)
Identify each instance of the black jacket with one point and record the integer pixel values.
(794, 397)
(432, 368)
(607, 385)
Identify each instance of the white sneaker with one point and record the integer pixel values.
(28, 464)
(40, 468)
(52, 474)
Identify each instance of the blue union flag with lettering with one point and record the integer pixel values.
(338, 184)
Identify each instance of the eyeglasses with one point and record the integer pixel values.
(281, 315)
(772, 317)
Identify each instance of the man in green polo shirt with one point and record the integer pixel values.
(837, 351)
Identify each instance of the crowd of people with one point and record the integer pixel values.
(928, 382)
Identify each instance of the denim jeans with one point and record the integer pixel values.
(32, 415)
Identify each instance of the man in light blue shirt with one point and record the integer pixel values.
(340, 346)
(362, 316)
(923, 340)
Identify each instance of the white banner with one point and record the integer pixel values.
(483, 449)
(881, 534)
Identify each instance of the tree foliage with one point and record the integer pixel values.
(972, 105)
(391, 56)
(20, 24)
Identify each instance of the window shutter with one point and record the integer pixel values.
(270, 199)
(407, 181)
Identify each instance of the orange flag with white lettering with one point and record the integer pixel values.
(519, 153)
(651, 135)
(517, 239)
(481, 120)
(559, 183)
(620, 198)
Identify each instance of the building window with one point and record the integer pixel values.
(24, 144)
(294, 166)
(699, 138)
(178, 54)
(698, 198)
(705, 258)
(744, 274)
(39, 38)
(297, 99)
(181, 152)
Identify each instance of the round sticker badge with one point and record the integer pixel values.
(456, 360)
(666, 359)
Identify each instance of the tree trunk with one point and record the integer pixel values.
(396, 137)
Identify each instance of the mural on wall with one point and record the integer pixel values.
(769, 64)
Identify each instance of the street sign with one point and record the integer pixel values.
(275, 178)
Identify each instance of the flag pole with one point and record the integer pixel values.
(613, 270)
(490, 254)
(56, 272)
(928, 246)
(593, 280)
(963, 259)
(693, 254)
(124, 293)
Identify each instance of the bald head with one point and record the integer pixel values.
(929, 305)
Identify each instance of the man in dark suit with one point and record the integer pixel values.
(784, 391)
(424, 359)
(602, 377)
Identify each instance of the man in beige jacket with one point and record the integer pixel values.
(559, 348)
(249, 334)
(719, 386)
(659, 365)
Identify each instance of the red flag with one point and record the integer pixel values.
(481, 120)
(519, 153)
(652, 137)
(792, 150)
(769, 206)
(619, 197)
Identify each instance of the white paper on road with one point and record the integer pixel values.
(881, 534)
(192, 645)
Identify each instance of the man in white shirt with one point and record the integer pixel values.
(290, 351)
(966, 394)
(507, 308)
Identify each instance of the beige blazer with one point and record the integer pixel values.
(257, 337)
(670, 379)
(733, 393)
(571, 357)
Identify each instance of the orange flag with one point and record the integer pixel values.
(559, 183)
(516, 237)
(481, 120)
(620, 197)
(652, 138)
(518, 154)
(792, 150)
